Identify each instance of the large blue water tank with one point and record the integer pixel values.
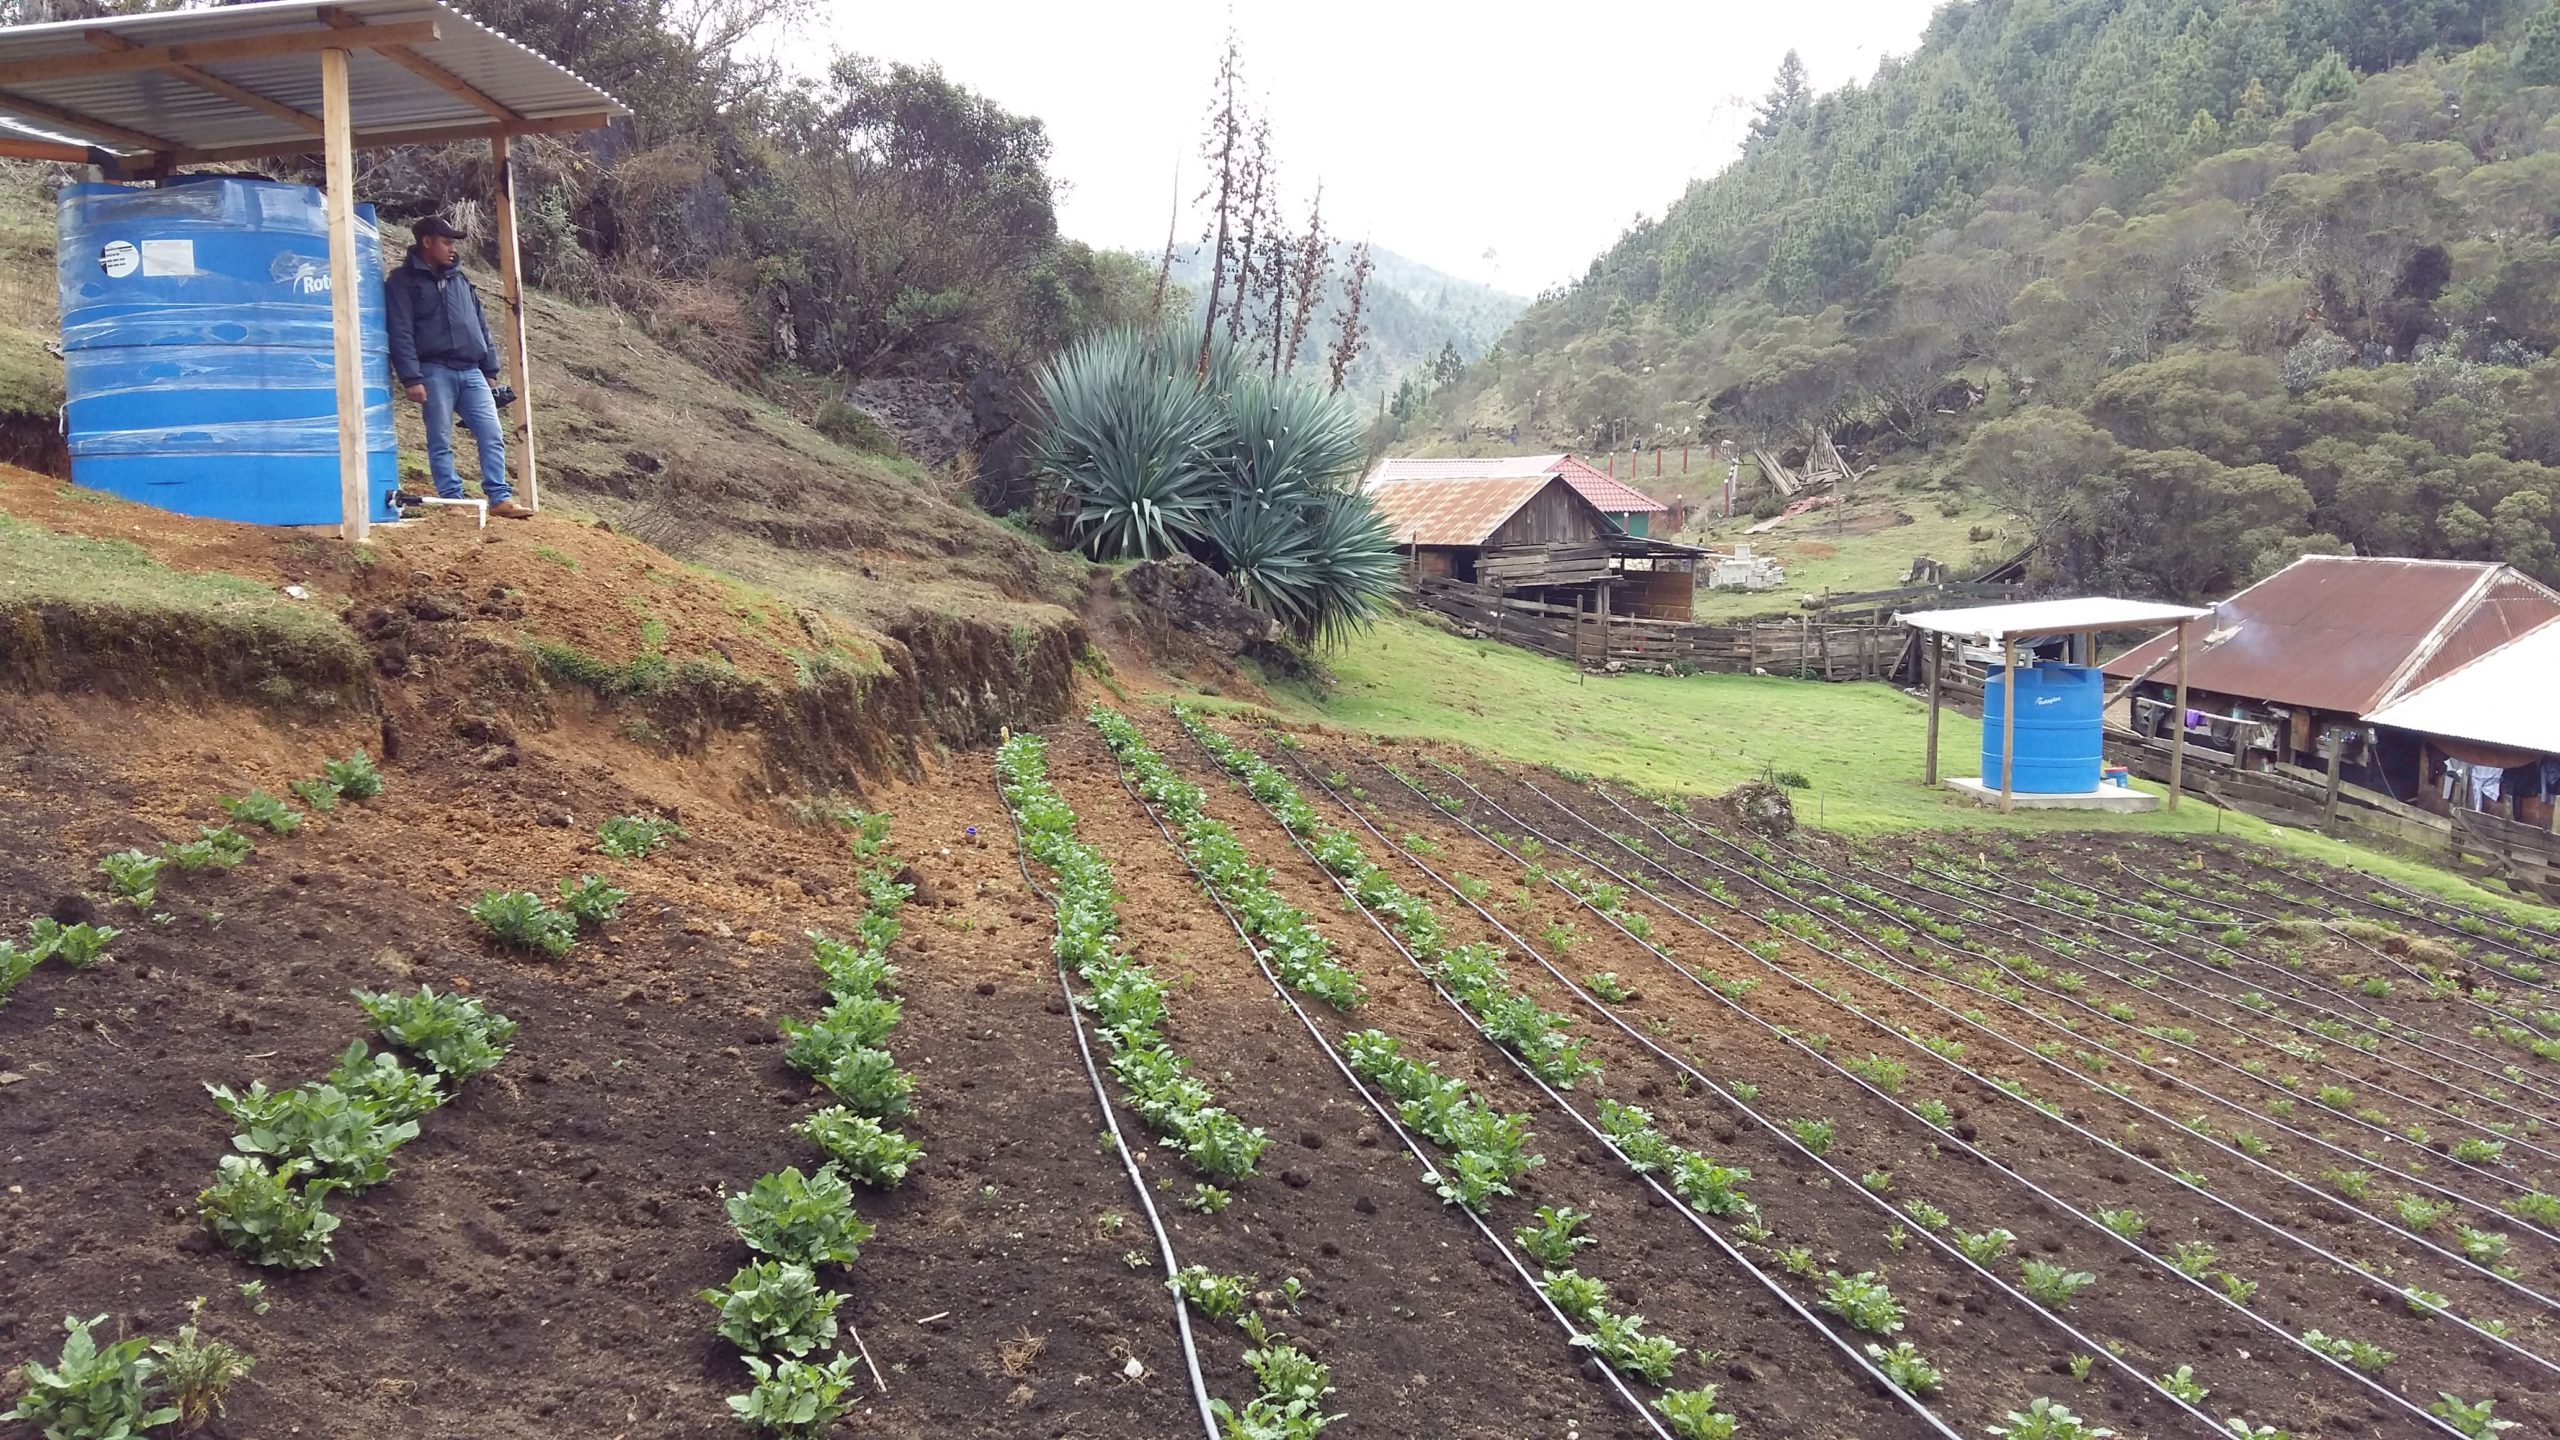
(2061, 748)
(196, 339)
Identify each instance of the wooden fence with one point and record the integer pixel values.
(1802, 647)
(2521, 855)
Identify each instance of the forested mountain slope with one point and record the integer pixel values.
(2194, 285)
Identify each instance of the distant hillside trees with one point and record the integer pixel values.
(2283, 269)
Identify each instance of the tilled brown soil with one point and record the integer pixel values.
(2311, 1294)
(532, 1268)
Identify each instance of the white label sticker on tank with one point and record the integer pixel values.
(119, 259)
(168, 257)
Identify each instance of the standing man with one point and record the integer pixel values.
(441, 352)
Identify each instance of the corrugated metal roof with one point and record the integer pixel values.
(2508, 697)
(2027, 618)
(384, 97)
(1611, 494)
(2346, 633)
(1461, 511)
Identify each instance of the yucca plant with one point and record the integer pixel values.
(1129, 439)
(1253, 474)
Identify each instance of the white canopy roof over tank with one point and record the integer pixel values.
(186, 87)
(2509, 697)
(2027, 619)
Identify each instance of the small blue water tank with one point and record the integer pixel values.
(197, 357)
(2060, 742)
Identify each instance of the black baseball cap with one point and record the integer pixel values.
(437, 225)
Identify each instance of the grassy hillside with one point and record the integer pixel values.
(2194, 285)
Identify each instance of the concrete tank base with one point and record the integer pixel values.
(2119, 799)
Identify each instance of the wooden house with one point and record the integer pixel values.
(1534, 537)
(1629, 508)
(2333, 643)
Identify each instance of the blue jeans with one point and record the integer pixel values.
(465, 392)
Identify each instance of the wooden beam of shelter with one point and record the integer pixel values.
(355, 507)
(206, 80)
(378, 139)
(27, 147)
(73, 120)
(422, 67)
(213, 52)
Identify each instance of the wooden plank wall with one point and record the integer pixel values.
(1555, 515)
(1778, 647)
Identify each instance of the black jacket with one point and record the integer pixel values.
(435, 319)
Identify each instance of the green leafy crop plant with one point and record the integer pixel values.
(635, 837)
(260, 808)
(455, 1034)
(521, 920)
(94, 1391)
(802, 1219)
(775, 1307)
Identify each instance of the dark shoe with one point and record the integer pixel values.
(510, 510)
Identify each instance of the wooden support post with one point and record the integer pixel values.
(2008, 717)
(1600, 605)
(2178, 722)
(2337, 740)
(2088, 648)
(1930, 773)
(355, 506)
(512, 347)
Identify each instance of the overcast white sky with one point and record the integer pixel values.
(1505, 142)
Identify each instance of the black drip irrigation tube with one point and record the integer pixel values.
(2421, 898)
(2427, 1107)
(2348, 998)
(1779, 1133)
(2464, 1261)
(1119, 1143)
(2035, 901)
(2341, 908)
(1669, 1197)
(2157, 1073)
(2279, 1232)
(2028, 934)
(1386, 1116)
(2400, 1037)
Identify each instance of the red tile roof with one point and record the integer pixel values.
(2348, 633)
(1614, 497)
(1606, 491)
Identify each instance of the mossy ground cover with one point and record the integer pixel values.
(1859, 747)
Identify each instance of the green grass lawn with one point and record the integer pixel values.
(1860, 746)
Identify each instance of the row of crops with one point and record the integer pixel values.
(2204, 1198)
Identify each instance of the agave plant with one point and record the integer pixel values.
(1255, 474)
(1130, 438)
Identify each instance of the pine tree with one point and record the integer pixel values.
(2538, 63)
(1787, 98)
(2328, 79)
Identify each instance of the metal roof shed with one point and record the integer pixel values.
(141, 96)
(2034, 619)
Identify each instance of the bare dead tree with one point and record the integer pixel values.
(1355, 290)
(1315, 258)
(1251, 217)
(1224, 149)
(1164, 267)
(1276, 271)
